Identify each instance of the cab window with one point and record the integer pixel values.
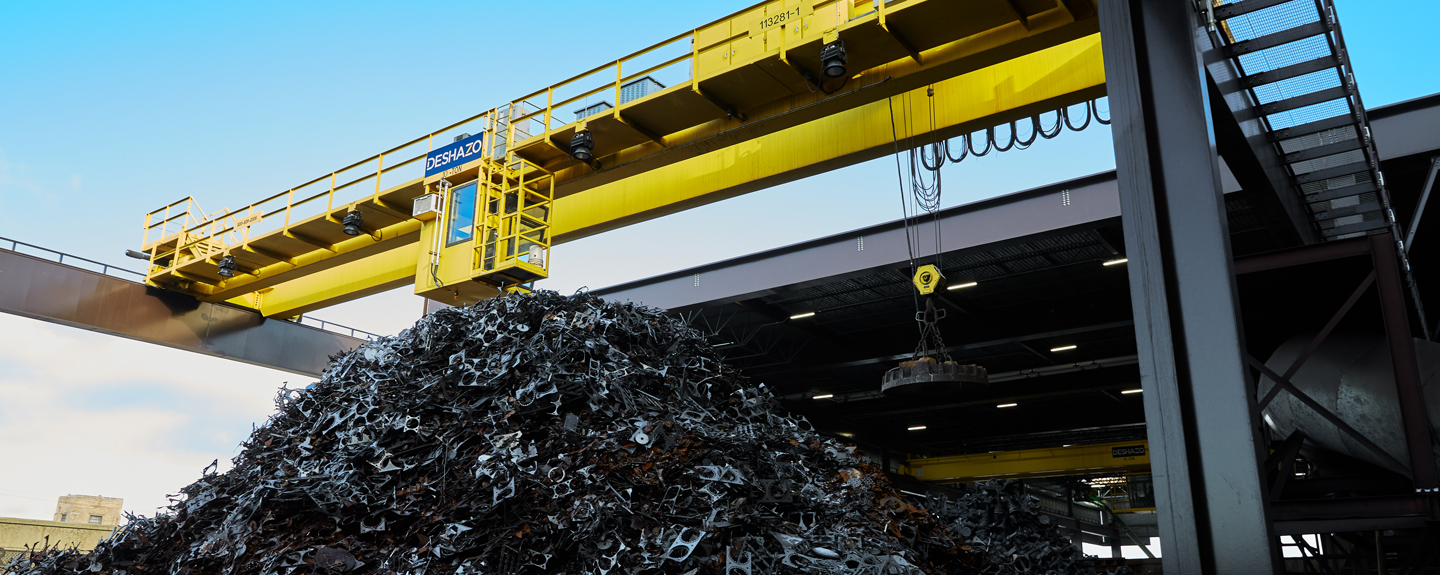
(462, 214)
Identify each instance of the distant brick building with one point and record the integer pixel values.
(80, 520)
(92, 509)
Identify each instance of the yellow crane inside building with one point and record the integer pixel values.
(776, 92)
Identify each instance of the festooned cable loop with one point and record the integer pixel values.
(1095, 109)
(1072, 126)
(989, 143)
(964, 149)
(990, 133)
(1054, 130)
(934, 156)
(939, 155)
(1034, 132)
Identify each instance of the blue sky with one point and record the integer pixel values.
(108, 110)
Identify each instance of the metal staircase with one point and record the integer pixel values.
(1292, 58)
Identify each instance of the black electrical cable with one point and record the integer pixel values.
(1054, 130)
(990, 133)
(935, 150)
(1095, 109)
(1034, 132)
(970, 144)
(842, 86)
(931, 157)
(1072, 127)
(926, 195)
(964, 149)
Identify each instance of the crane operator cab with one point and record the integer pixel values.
(486, 218)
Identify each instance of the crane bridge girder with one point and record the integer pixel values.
(749, 118)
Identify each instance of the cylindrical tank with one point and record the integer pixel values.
(1352, 376)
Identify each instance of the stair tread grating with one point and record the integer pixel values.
(1296, 102)
(1281, 38)
(1340, 159)
(1232, 10)
(1333, 231)
(1330, 149)
(1284, 55)
(1309, 83)
(1271, 20)
(1290, 132)
(1307, 114)
(1320, 138)
(1282, 73)
(1332, 172)
(1360, 203)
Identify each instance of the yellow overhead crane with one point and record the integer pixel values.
(472, 209)
(1091, 459)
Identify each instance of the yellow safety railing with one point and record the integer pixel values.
(173, 218)
(519, 120)
(209, 234)
(516, 220)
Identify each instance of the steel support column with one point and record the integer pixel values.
(1199, 408)
(1402, 356)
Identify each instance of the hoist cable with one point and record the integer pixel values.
(927, 195)
(904, 212)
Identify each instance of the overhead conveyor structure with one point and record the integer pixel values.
(756, 111)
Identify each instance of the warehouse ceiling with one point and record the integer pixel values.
(1031, 296)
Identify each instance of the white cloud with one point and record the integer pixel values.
(87, 413)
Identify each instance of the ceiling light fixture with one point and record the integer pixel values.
(824, 396)
(802, 315)
(1115, 262)
(915, 428)
(1129, 391)
(1062, 348)
(1004, 405)
(964, 285)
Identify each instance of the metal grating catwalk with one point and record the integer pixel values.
(1292, 58)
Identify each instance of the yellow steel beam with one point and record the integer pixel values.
(358, 249)
(1074, 460)
(953, 59)
(376, 273)
(1039, 81)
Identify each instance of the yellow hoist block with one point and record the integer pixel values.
(928, 279)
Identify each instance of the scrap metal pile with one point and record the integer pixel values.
(544, 434)
(1006, 526)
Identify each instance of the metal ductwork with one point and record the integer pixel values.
(1352, 376)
